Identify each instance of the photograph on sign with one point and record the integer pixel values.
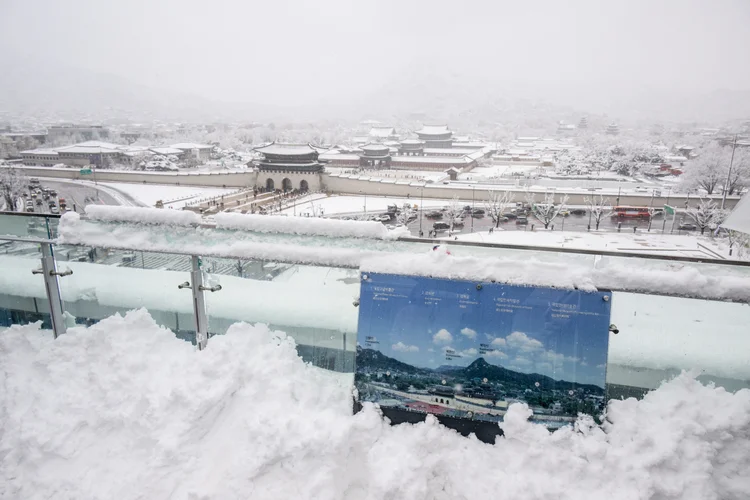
(469, 350)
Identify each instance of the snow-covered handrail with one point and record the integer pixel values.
(309, 226)
(141, 215)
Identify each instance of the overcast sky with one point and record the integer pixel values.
(290, 51)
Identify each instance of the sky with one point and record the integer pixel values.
(288, 52)
(429, 323)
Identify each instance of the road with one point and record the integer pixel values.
(570, 223)
(79, 194)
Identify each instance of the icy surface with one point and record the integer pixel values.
(125, 410)
(622, 274)
(140, 214)
(306, 225)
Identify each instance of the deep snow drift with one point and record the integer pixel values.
(125, 410)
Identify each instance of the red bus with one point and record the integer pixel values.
(626, 212)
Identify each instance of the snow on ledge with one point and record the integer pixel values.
(305, 226)
(137, 413)
(142, 215)
(684, 281)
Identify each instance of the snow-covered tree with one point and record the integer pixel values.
(406, 214)
(454, 212)
(547, 211)
(495, 204)
(739, 177)
(13, 184)
(599, 208)
(705, 214)
(738, 241)
(709, 169)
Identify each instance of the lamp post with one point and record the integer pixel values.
(421, 209)
(729, 173)
(472, 209)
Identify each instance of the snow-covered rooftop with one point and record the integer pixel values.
(382, 131)
(434, 130)
(287, 149)
(190, 145)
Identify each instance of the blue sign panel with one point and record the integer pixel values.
(468, 350)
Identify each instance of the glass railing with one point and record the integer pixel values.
(309, 288)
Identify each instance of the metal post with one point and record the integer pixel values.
(729, 173)
(618, 195)
(52, 287)
(200, 318)
(472, 209)
(421, 209)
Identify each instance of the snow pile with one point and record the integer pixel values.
(306, 225)
(124, 410)
(110, 213)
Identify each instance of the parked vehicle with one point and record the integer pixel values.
(441, 226)
(577, 211)
(509, 215)
(435, 214)
(687, 226)
(477, 212)
(522, 220)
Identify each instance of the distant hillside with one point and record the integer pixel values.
(478, 369)
(482, 369)
(379, 361)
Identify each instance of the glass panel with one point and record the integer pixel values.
(23, 298)
(660, 336)
(106, 281)
(28, 226)
(314, 305)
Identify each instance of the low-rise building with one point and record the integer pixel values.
(201, 152)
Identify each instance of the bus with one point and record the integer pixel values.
(625, 212)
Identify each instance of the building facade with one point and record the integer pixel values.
(288, 167)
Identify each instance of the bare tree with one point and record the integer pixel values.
(547, 211)
(406, 214)
(599, 208)
(709, 170)
(495, 204)
(454, 212)
(739, 177)
(739, 241)
(13, 184)
(705, 214)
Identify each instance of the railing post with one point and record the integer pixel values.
(200, 317)
(52, 287)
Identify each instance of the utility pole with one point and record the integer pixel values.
(618, 196)
(472, 209)
(729, 173)
(421, 209)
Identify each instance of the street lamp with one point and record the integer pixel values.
(729, 173)
(472, 209)
(421, 209)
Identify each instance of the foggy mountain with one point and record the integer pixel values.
(423, 93)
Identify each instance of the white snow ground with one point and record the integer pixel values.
(344, 204)
(125, 410)
(172, 196)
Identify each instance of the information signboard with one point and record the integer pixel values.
(468, 350)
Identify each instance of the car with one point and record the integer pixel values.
(522, 220)
(441, 226)
(435, 214)
(564, 213)
(54, 210)
(39, 201)
(687, 226)
(578, 211)
(509, 215)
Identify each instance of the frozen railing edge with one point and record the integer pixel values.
(308, 226)
(685, 282)
(141, 215)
